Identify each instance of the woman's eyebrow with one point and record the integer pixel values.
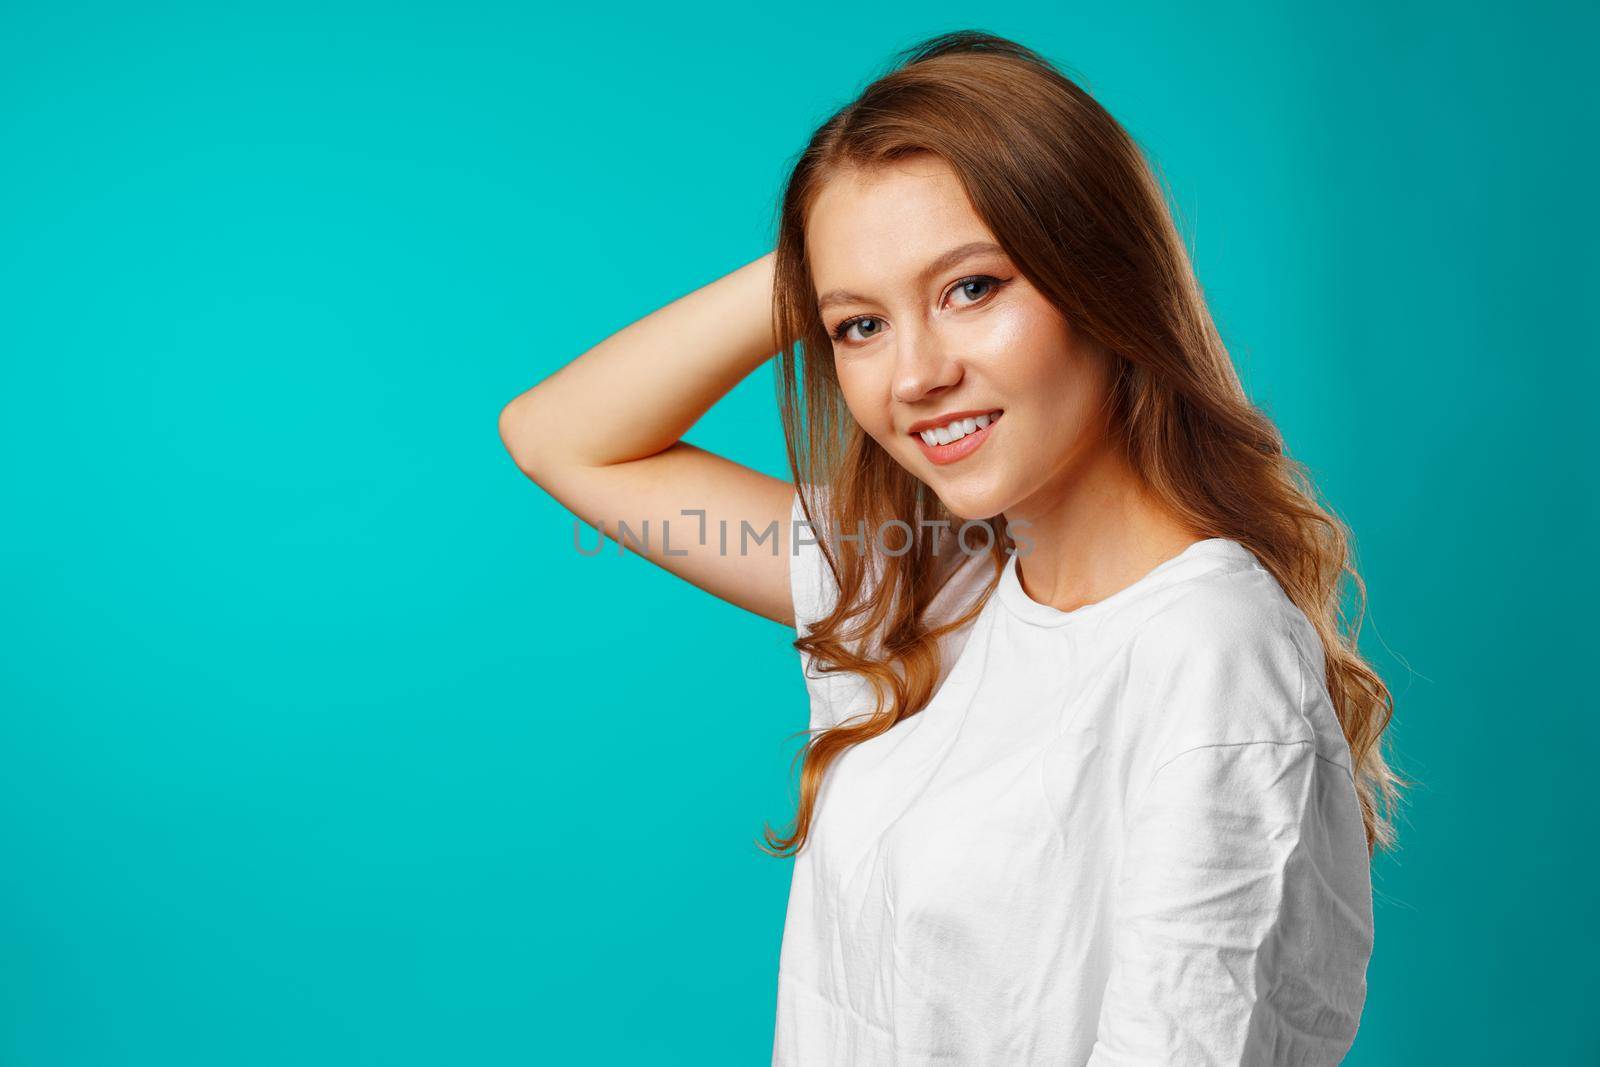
(940, 263)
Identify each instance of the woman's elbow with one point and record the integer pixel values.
(518, 433)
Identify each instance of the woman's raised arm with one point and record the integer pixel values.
(603, 435)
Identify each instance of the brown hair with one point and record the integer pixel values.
(1072, 200)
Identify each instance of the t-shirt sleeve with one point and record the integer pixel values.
(815, 590)
(1219, 666)
(811, 583)
(1242, 915)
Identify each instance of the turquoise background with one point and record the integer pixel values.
(321, 744)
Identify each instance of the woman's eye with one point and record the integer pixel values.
(983, 282)
(844, 327)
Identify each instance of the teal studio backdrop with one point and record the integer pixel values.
(322, 745)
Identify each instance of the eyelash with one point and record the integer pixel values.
(838, 332)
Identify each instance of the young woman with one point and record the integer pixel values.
(1095, 774)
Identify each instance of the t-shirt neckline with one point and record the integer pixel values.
(1015, 598)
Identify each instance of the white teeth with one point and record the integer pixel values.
(957, 429)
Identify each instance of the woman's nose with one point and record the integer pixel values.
(923, 367)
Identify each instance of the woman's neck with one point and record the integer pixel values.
(1092, 531)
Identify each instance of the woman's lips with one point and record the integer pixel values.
(957, 450)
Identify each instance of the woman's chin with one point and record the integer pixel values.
(966, 507)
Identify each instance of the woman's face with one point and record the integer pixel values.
(930, 320)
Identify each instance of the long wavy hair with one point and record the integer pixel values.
(1074, 203)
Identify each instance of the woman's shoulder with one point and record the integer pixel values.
(960, 577)
(1226, 658)
(1233, 608)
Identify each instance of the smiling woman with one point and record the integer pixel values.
(957, 330)
(1106, 793)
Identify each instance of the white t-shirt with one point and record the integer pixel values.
(1125, 834)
